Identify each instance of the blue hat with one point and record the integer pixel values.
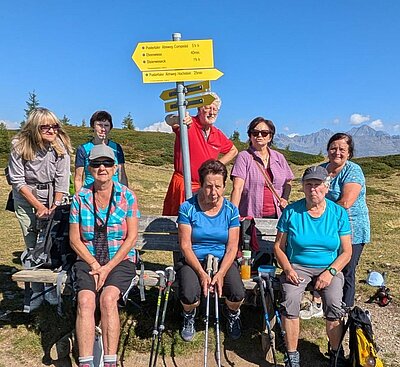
(375, 279)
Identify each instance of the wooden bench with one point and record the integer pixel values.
(157, 233)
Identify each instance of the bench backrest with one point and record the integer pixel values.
(161, 233)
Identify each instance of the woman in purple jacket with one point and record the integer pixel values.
(261, 176)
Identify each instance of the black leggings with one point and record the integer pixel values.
(190, 288)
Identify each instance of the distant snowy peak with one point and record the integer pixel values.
(368, 142)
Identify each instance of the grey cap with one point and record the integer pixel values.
(315, 173)
(101, 151)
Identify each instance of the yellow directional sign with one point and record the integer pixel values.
(193, 102)
(164, 76)
(188, 90)
(174, 55)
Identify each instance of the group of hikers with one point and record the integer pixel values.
(320, 238)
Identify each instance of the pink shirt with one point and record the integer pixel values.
(251, 201)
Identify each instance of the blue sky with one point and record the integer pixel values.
(305, 64)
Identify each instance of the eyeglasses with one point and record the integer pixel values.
(264, 133)
(47, 128)
(97, 164)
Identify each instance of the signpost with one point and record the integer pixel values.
(179, 61)
(193, 54)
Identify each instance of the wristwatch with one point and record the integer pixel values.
(57, 203)
(333, 271)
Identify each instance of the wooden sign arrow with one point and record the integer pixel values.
(193, 102)
(188, 90)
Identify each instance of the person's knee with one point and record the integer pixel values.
(86, 303)
(109, 299)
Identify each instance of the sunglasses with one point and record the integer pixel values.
(97, 164)
(264, 133)
(47, 128)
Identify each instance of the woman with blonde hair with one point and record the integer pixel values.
(39, 172)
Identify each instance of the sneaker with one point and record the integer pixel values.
(233, 325)
(188, 329)
(312, 311)
(337, 359)
(294, 358)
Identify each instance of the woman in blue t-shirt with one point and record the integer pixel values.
(313, 245)
(209, 224)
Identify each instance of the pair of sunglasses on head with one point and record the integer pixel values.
(107, 163)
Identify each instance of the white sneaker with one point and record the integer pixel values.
(311, 311)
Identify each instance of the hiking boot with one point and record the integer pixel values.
(233, 324)
(188, 329)
(313, 310)
(294, 359)
(337, 359)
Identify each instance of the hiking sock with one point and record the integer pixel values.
(110, 360)
(86, 361)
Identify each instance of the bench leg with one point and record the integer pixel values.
(27, 297)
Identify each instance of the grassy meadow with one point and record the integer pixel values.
(26, 338)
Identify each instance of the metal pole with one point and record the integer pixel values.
(183, 132)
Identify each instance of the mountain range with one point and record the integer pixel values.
(368, 142)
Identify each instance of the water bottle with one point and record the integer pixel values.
(245, 266)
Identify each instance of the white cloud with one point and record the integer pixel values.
(396, 128)
(377, 124)
(292, 135)
(286, 128)
(336, 121)
(10, 125)
(357, 119)
(159, 127)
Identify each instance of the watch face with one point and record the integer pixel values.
(333, 271)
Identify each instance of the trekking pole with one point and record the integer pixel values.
(270, 290)
(170, 275)
(216, 295)
(271, 335)
(161, 287)
(209, 260)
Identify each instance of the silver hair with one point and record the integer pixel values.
(217, 100)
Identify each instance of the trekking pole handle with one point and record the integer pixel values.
(161, 278)
(170, 274)
(209, 264)
(215, 265)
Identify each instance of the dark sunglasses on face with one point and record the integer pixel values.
(97, 164)
(264, 133)
(46, 128)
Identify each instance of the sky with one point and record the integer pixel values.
(304, 64)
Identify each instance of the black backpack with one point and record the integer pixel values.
(52, 249)
(363, 350)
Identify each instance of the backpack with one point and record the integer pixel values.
(52, 249)
(363, 350)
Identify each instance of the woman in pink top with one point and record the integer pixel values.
(251, 193)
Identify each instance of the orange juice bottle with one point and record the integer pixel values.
(245, 266)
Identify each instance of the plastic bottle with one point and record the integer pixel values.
(245, 267)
